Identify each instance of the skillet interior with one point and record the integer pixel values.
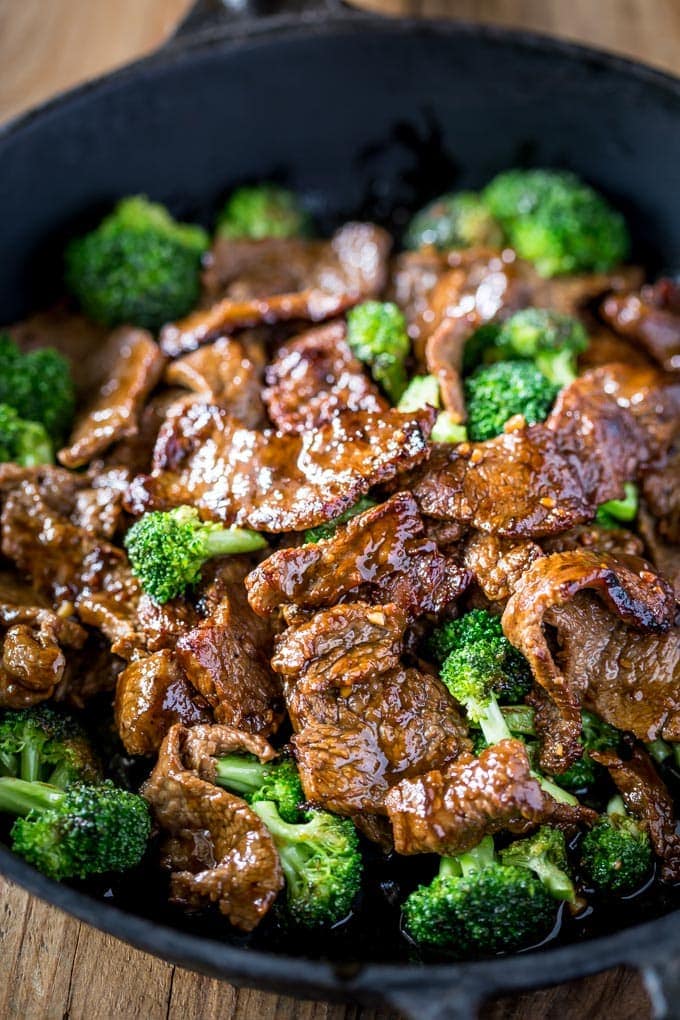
(366, 118)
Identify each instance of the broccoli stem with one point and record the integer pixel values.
(61, 776)
(239, 774)
(449, 867)
(29, 768)
(481, 856)
(228, 541)
(283, 833)
(557, 366)
(19, 796)
(616, 806)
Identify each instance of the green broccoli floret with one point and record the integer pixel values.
(557, 222)
(458, 220)
(544, 853)
(38, 385)
(477, 625)
(254, 780)
(47, 745)
(480, 671)
(139, 266)
(478, 905)
(616, 855)
(421, 391)
(167, 549)
(496, 393)
(23, 442)
(263, 210)
(550, 339)
(321, 863)
(74, 833)
(596, 735)
(377, 335)
(327, 530)
(481, 341)
(615, 512)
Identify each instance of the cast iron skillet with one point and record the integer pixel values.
(371, 117)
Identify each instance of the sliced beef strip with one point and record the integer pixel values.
(628, 678)
(274, 482)
(217, 849)
(605, 347)
(647, 798)
(413, 274)
(353, 744)
(152, 694)
(381, 555)
(278, 280)
(661, 490)
(651, 317)
(132, 365)
(227, 373)
(314, 376)
(449, 811)
(663, 554)
(444, 359)
(605, 429)
(627, 586)
(497, 564)
(597, 537)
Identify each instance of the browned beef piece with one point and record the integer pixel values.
(76, 336)
(605, 347)
(313, 377)
(90, 670)
(628, 678)
(413, 274)
(353, 743)
(594, 536)
(605, 429)
(227, 373)
(66, 562)
(647, 798)
(152, 694)
(497, 564)
(381, 555)
(661, 489)
(628, 587)
(217, 849)
(650, 317)
(444, 359)
(274, 482)
(278, 280)
(663, 554)
(371, 640)
(448, 811)
(132, 365)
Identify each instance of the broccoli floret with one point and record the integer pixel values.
(496, 393)
(478, 905)
(596, 735)
(38, 385)
(168, 549)
(557, 222)
(254, 780)
(23, 442)
(616, 855)
(421, 391)
(321, 863)
(81, 831)
(615, 512)
(138, 266)
(263, 210)
(545, 853)
(459, 220)
(520, 719)
(550, 339)
(376, 332)
(477, 625)
(446, 430)
(327, 530)
(481, 341)
(47, 745)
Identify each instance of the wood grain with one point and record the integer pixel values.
(51, 966)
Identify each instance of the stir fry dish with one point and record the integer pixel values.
(339, 569)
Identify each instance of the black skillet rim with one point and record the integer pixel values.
(637, 946)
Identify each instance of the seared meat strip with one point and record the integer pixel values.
(380, 555)
(661, 489)
(354, 741)
(444, 359)
(152, 694)
(650, 317)
(132, 366)
(449, 811)
(664, 555)
(627, 586)
(597, 537)
(218, 849)
(274, 482)
(497, 564)
(227, 373)
(605, 429)
(313, 377)
(278, 280)
(647, 798)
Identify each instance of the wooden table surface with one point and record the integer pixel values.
(51, 966)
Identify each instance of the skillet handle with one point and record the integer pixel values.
(662, 981)
(425, 1001)
(207, 16)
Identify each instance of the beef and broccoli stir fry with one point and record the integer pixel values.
(372, 550)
